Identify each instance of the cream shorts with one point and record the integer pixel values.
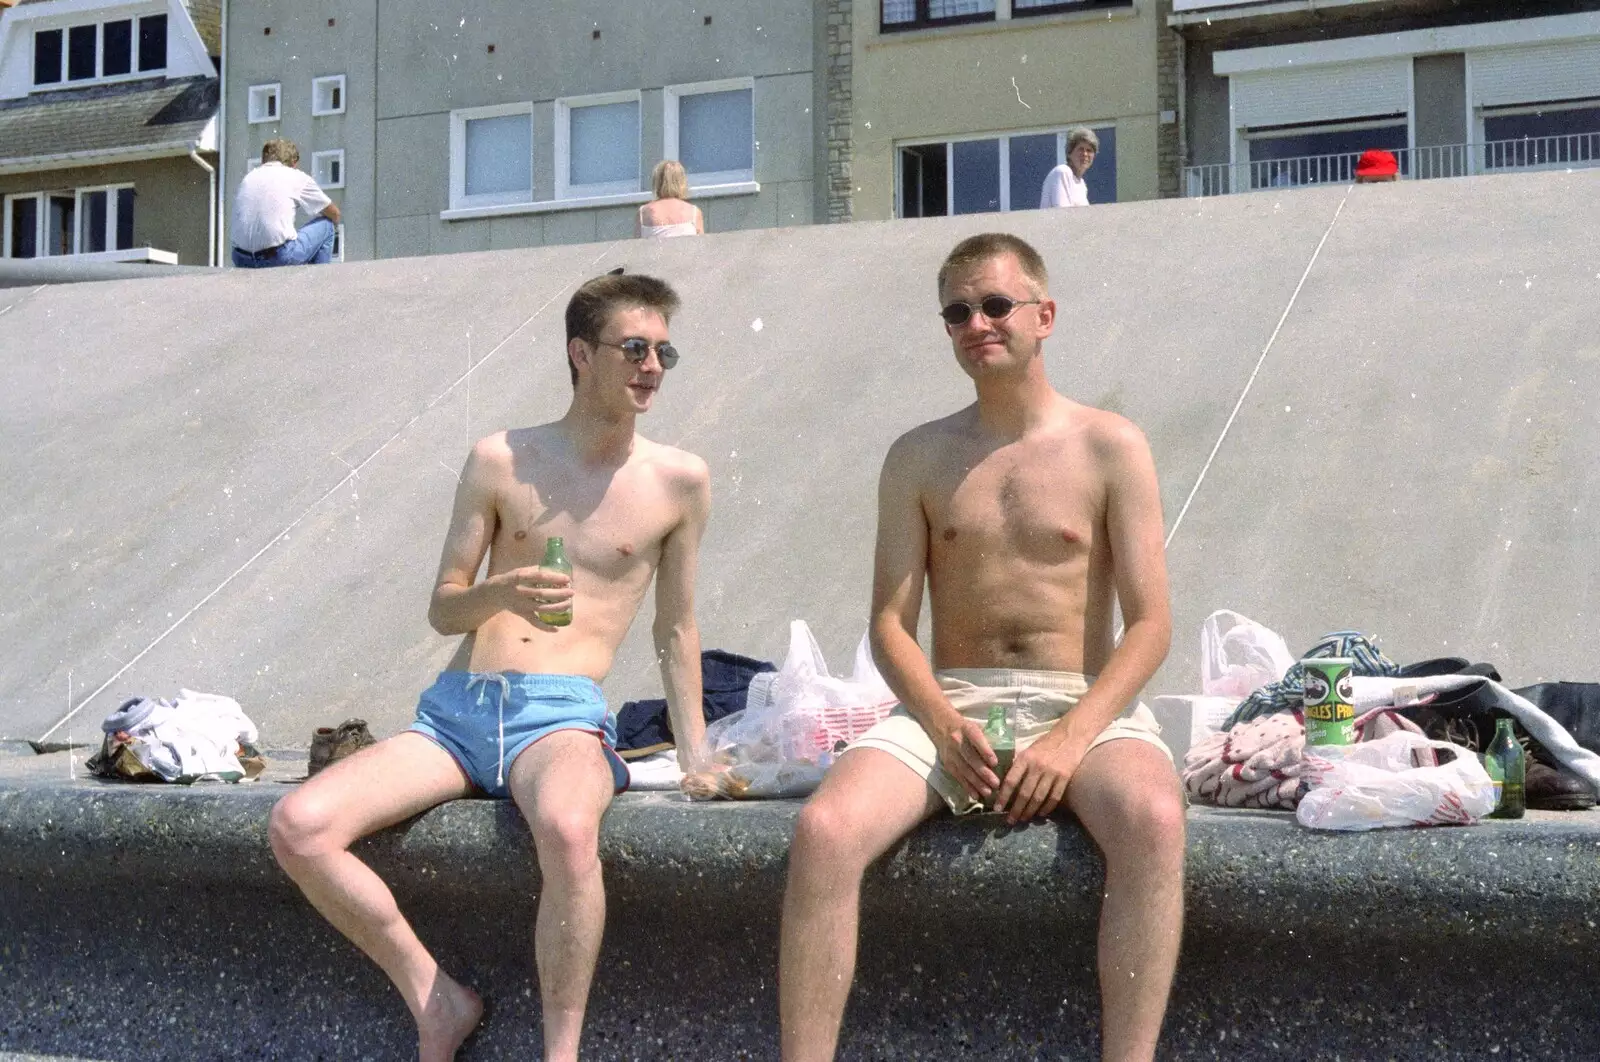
(1037, 698)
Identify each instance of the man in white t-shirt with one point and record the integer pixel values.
(1064, 186)
(263, 213)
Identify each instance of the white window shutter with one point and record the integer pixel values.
(1326, 93)
(1543, 73)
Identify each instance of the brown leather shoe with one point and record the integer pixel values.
(1556, 788)
(330, 744)
(1550, 786)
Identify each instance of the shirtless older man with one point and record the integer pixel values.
(1030, 516)
(519, 711)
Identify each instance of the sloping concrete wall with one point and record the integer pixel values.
(240, 482)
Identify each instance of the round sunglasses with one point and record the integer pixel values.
(994, 307)
(636, 350)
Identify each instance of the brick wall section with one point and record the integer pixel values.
(1169, 145)
(840, 110)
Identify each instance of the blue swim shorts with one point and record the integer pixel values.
(486, 719)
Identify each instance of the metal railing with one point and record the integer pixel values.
(1575, 151)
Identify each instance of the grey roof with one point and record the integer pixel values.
(207, 16)
(130, 115)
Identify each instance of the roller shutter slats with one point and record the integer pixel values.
(1333, 93)
(1567, 71)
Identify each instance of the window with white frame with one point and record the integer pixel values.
(491, 156)
(1025, 8)
(22, 239)
(70, 221)
(327, 168)
(111, 50)
(327, 95)
(1542, 136)
(1308, 123)
(710, 128)
(1536, 106)
(597, 145)
(1322, 154)
(262, 103)
(994, 173)
(920, 14)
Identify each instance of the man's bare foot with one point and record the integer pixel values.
(448, 1018)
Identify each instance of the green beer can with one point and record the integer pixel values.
(1330, 715)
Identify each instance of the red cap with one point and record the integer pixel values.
(1376, 163)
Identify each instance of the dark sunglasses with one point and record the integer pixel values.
(994, 307)
(636, 350)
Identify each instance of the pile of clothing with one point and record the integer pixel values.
(1256, 758)
(193, 737)
(644, 729)
(1262, 763)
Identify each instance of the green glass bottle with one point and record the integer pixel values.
(1507, 767)
(555, 559)
(1002, 739)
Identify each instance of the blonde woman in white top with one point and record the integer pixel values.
(669, 213)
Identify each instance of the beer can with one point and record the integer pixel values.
(1329, 711)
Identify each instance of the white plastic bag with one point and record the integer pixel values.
(1238, 655)
(1373, 784)
(796, 720)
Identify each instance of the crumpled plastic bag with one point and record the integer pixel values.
(1239, 655)
(1262, 763)
(1376, 784)
(795, 722)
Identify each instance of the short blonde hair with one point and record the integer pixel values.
(281, 149)
(1082, 135)
(669, 180)
(976, 250)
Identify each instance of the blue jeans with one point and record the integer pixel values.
(312, 245)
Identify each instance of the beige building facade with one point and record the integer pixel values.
(963, 106)
(160, 210)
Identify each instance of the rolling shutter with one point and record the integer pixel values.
(1567, 71)
(1329, 93)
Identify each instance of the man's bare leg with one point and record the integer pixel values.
(312, 829)
(1127, 796)
(867, 802)
(563, 785)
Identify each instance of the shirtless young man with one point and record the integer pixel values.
(1030, 516)
(629, 510)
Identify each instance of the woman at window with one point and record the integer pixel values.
(1064, 186)
(669, 213)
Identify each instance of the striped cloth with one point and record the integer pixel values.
(1288, 693)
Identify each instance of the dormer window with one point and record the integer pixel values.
(110, 50)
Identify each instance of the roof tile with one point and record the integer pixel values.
(130, 114)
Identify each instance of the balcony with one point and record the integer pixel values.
(1201, 13)
(1573, 151)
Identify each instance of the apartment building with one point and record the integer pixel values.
(480, 126)
(1288, 92)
